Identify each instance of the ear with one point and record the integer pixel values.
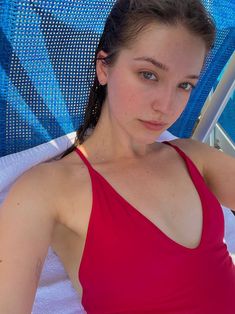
(102, 67)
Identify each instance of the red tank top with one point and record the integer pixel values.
(130, 266)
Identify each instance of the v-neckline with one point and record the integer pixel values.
(139, 213)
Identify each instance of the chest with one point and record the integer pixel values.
(161, 198)
(165, 197)
(163, 194)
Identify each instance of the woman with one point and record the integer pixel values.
(136, 226)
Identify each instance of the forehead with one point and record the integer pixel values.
(172, 45)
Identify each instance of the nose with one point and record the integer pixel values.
(164, 100)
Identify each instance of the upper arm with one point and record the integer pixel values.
(26, 225)
(217, 168)
(219, 173)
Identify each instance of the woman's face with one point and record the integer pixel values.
(150, 83)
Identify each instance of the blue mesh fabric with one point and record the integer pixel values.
(46, 67)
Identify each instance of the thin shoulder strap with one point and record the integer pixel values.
(190, 164)
(181, 153)
(84, 159)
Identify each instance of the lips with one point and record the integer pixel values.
(153, 125)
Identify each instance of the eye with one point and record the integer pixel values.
(187, 86)
(149, 76)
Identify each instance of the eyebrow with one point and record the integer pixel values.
(162, 66)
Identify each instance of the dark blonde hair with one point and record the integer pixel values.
(125, 21)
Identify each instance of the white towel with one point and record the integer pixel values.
(55, 294)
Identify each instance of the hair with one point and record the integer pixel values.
(125, 21)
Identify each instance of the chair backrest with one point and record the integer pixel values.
(46, 67)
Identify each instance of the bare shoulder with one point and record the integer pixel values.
(31, 185)
(202, 154)
(194, 150)
(217, 168)
(189, 144)
(45, 184)
(34, 185)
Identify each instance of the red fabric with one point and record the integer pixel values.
(130, 266)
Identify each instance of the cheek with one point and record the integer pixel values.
(122, 97)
